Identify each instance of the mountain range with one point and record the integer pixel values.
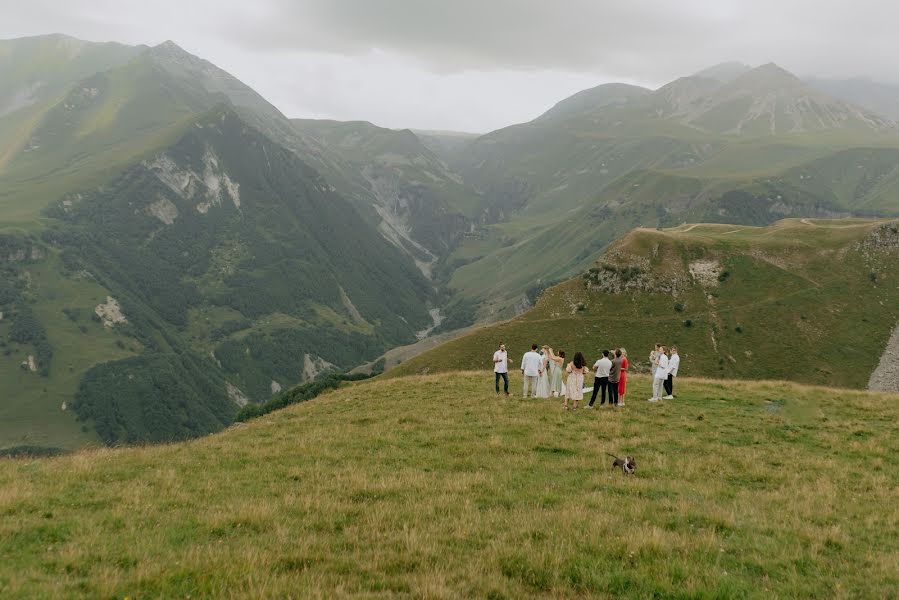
(174, 247)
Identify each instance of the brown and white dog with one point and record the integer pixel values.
(627, 464)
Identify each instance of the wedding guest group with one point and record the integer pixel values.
(546, 374)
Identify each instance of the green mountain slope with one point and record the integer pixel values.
(431, 486)
(729, 144)
(230, 254)
(37, 72)
(809, 301)
(170, 257)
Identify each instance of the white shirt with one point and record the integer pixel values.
(603, 366)
(662, 371)
(500, 362)
(673, 364)
(531, 364)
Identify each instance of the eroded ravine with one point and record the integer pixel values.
(885, 377)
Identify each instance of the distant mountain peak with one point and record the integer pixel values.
(724, 72)
(168, 45)
(768, 75)
(596, 98)
(169, 49)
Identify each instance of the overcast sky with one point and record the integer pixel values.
(476, 65)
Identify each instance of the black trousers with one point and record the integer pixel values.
(613, 393)
(669, 385)
(505, 377)
(600, 382)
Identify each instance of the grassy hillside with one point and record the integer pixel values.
(431, 487)
(810, 301)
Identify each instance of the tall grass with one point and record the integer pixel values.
(433, 487)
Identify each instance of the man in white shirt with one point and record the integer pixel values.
(661, 376)
(673, 364)
(501, 368)
(601, 380)
(531, 368)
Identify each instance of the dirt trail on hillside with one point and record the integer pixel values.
(885, 377)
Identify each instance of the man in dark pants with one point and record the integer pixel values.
(614, 377)
(602, 366)
(501, 368)
(673, 366)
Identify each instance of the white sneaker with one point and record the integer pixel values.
(589, 407)
(653, 400)
(668, 397)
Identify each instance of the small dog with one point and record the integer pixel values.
(627, 464)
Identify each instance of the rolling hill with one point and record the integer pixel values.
(432, 487)
(169, 255)
(802, 300)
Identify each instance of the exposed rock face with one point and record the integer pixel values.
(276, 387)
(885, 377)
(207, 189)
(705, 272)
(881, 241)
(313, 366)
(616, 279)
(351, 308)
(237, 396)
(111, 312)
(164, 210)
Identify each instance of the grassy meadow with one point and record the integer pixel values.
(433, 487)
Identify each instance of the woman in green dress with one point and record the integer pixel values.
(556, 364)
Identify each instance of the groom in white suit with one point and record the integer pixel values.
(531, 368)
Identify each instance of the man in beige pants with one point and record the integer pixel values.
(531, 368)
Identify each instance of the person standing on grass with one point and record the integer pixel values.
(601, 379)
(673, 364)
(531, 368)
(654, 361)
(622, 381)
(556, 364)
(501, 368)
(543, 386)
(661, 375)
(576, 369)
(614, 377)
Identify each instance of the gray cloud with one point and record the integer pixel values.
(477, 64)
(644, 39)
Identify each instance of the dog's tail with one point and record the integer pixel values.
(613, 456)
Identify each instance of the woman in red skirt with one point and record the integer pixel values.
(622, 380)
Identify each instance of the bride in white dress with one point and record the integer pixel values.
(543, 387)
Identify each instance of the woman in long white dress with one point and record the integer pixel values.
(543, 378)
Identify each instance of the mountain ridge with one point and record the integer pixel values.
(158, 208)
